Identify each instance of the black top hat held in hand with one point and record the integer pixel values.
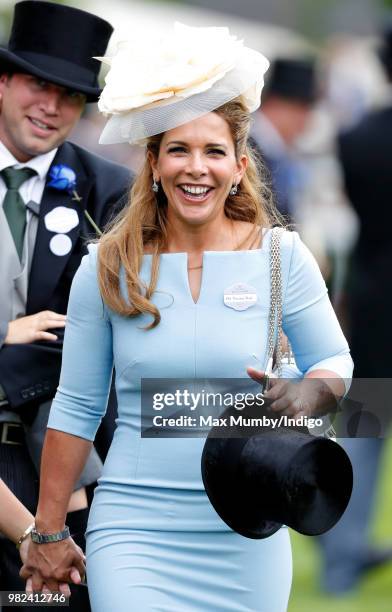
(57, 43)
(276, 477)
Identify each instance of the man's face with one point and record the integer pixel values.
(36, 116)
(290, 117)
(298, 117)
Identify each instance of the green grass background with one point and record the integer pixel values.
(375, 591)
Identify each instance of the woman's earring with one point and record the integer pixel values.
(233, 190)
(155, 186)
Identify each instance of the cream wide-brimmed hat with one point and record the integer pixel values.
(156, 85)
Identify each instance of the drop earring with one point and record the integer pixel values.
(233, 190)
(155, 186)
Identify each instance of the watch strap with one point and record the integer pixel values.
(47, 538)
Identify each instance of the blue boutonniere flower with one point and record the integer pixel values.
(63, 178)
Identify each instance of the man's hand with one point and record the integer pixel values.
(33, 327)
(53, 563)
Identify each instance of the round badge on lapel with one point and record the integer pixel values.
(60, 244)
(240, 296)
(61, 220)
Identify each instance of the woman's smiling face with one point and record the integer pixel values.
(197, 167)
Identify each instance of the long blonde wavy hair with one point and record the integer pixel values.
(144, 221)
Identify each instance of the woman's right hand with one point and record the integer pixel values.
(52, 564)
(310, 397)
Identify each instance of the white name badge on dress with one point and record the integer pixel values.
(240, 296)
(61, 220)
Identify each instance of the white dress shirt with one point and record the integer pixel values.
(33, 188)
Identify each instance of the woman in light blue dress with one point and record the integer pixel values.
(148, 300)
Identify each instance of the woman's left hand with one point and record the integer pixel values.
(23, 551)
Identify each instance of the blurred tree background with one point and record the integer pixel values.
(374, 593)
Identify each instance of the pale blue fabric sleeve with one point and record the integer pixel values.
(87, 364)
(309, 320)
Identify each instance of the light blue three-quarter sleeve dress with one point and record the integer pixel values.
(154, 542)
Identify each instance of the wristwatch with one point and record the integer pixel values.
(46, 538)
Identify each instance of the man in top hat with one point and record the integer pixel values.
(53, 194)
(287, 102)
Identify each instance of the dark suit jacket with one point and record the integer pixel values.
(365, 152)
(275, 174)
(366, 156)
(29, 373)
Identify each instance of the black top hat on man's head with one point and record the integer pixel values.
(276, 477)
(292, 79)
(57, 43)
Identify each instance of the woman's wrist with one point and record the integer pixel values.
(319, 397)
(335, 382)
(48, 526)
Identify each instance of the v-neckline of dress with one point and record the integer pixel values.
(206, 256)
